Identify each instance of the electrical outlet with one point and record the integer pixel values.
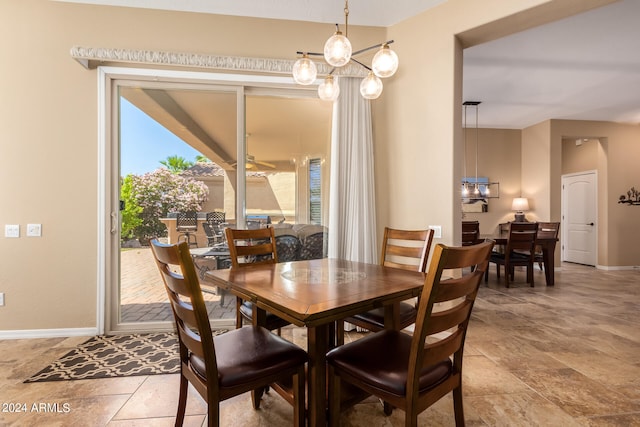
(1, 299)
(34, 230)
(12, 230)
(437, 231)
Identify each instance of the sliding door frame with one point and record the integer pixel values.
(108, 168)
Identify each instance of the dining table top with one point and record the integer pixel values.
(319, 291)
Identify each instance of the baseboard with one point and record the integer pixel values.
(48, 333)
(618, 267)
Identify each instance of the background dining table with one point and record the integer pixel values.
(315, 294)
(546, 243)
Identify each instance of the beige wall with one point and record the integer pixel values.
(50, 126)
(616, 161)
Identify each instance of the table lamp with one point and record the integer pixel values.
(520, 204)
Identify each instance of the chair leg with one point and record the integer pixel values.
(182, 400)
(339, 332)
(387, 408)
(486, 275)
(238, 315)
(256, 395)
(299, 411)
(458, 408)
(334, 397)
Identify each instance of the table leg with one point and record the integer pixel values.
(548, 259)
(317, 347)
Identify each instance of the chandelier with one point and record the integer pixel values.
(475, 187)
(338, 53)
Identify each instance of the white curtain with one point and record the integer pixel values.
(352, 214)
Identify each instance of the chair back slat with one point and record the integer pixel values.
(443, 348)
(444, 320)
(406, 249)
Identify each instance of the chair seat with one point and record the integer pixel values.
(273, 322)
(382, 360)
(375, 317)
(515, 256)
(249, 352)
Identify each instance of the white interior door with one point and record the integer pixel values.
(579, 218)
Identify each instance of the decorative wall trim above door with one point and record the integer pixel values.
(92, 57)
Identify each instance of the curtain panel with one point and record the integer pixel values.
(352, 214)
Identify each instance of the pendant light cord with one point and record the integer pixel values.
(346, 18)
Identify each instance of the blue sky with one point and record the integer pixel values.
(144, 142)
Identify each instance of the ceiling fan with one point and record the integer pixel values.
(252, 163)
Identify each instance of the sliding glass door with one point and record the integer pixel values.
(174, 148)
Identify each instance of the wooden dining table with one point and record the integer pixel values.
(315, 294)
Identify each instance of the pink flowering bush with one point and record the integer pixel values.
(152, 196)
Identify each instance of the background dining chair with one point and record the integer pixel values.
(220, 367)
(406, 249)
(519, 251)
(412, 372)
(251, 247)
(545, 230)
(470, 233)
(187, 226)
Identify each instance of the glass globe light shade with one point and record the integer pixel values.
(371, 86)
(385, 62)
(337, 50)
(329, 89)
(304, 71)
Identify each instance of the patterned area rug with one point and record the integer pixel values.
(116, 356)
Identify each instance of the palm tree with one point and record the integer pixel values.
(176, 164)
(202, 159)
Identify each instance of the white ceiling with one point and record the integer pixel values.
(377, 13)
(585, 67)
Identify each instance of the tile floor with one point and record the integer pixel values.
(562, 356)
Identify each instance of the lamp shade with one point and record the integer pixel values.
(385, 62)
(371, 86)
(337, 50)
(520, 204)
(304, 71)
(329, 89)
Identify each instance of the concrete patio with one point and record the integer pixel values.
(143, 298)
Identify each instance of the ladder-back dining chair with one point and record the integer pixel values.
(405, 249)
(546, 230)
(235, 362)
(519, 251)
(470, 233)
(247, 248)
(413, 371)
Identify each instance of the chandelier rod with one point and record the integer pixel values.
(299, 52)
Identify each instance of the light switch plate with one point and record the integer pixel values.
(34, 230)
(12, 230)
(437, 231)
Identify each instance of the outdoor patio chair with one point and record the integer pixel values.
(187, 226)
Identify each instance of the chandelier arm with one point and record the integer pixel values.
(309, 53)
(360, 63)
(371, 47)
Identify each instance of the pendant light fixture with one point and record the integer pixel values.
(337, 53)
(475, 188)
